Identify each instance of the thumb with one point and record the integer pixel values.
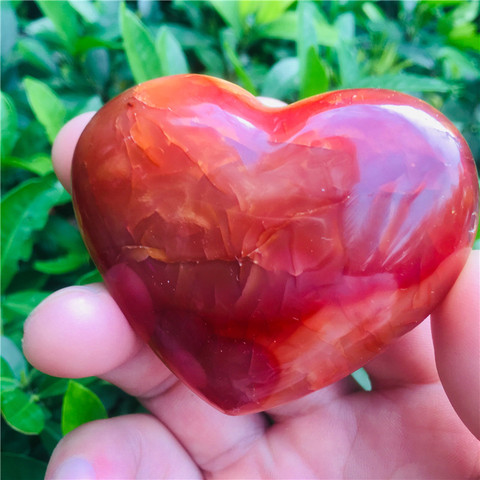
(64, 146)
(456, 337)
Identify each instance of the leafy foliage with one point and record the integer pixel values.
(80, 405)
(62, 58)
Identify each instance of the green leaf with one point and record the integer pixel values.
(36, 53)
(89, 104)
(262, 12)
(363, 379)
(43, 28)
(66, 248)
(189, 38)
(230, 13)
(465, 36)
(22, 467)
(212, 61)
(284, 28)
(49, 110)
(373, 12)
(313, 74)
(348, 68)
(52, 387)
(270, 11)
(80, 405)
(50, 436)
(97, 64)
(316, 77)
(90, 277)
(8, 381)
(40, 164)
(388, 61)
(84, 44)
(246, 8)
(63, 264)
(21, 412)
(139, 47)
(172, 58)
(466, 12)
(327, 35)
(282, 79)
(14, 358)
(24, 210)
(65, 20)
(242, 74)
(8, 30)
(86, 9)
(22, 303)
(458, 65)
(406, 82)
(9, 125)
(33, 139)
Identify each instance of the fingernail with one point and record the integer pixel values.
(74, 468)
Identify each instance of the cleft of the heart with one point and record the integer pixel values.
(264, 253)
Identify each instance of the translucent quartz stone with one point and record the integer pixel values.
(264, 253)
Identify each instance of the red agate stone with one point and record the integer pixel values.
(264, 253)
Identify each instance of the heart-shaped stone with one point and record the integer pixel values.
(264, 253)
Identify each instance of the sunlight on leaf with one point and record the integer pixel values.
(46, 105)
(80, 405)
(24, 210)
(170, 53)
(21, 412)
(139, 47)
(65, 20)
(8, 124)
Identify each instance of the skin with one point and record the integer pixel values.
(420, 420)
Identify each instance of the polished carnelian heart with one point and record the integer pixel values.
(264, 253)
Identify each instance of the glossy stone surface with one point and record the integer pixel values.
(264, 253)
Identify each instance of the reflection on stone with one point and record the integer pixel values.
(262, 252)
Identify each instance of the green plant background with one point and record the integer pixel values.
(61, 58)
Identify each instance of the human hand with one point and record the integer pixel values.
(405, 427)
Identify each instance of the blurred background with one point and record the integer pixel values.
(62, 58)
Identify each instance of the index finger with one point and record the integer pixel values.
(456, 336)
(64, 146)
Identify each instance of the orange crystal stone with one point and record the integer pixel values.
(264, 253)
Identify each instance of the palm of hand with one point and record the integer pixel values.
(404, 428)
